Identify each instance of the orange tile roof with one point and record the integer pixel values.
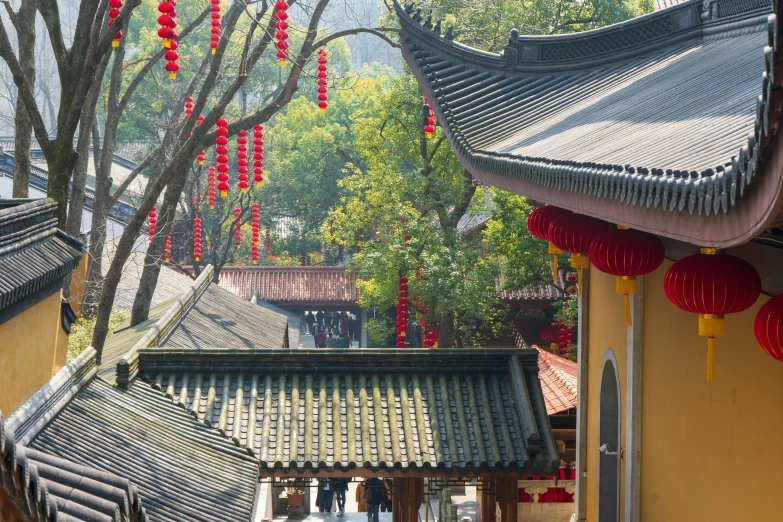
(293, 285)
(558, 381)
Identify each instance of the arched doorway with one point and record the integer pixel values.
(609, 442)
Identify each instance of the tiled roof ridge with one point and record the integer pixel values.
(29, 418)
(50, 488)
(127, 367)
(549, 291)
(545, 363)
(15, 209)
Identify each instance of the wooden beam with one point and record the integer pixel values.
(367, 473)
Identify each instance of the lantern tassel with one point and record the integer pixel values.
(627, 299)
(214, 51)
(579, 282)
(710, 358)
(554, 268)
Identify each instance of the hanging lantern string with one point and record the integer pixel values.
(322, 81)
(215, 36)
(221, 150)
(115, 5)
(281, 36)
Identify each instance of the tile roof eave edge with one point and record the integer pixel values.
(127, 366)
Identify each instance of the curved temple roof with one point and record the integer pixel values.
(662, 123)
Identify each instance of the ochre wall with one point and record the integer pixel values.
(709, 450)
(79, 284)
(29, 351)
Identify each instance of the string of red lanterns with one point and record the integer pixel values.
(115, 5)
(282, 31)
(254, 234)
(573, 233)
(197, 238)
(188, 107)
(221, 149)
(429, 120)
(538, 224)
(237, 227)
(322, 77)
(211, 193)
(168, 35)
(258, 155)
(152, 222)
(203, 154)
(267, 238)
(242, 161)
(215, 36)
(167, 252)
(402, 312)
(549, 335)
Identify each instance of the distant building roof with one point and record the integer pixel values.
(660, 123)
(294, 320)
(171, 282)
(293, 285)
(558, 378)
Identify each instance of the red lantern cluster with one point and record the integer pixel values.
(538, 224)
(254, 232)
(267, 238)
(549, 334)
(768, 327)
(712, 284)
(153, 220)
(221, 149)
(167, 252)
(573, 233)
(197, 238)
(402, 312)
(258, 154)
(242, 161)
(167, 23)
(115, 5)
(211, 193)
(429, 120)
(281, 36)
(215, 37)
(237, 227)
(565, 336)
(322, 76)
(188, 107)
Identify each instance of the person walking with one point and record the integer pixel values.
(360, 502)
(374, 491)
(340, 486)
(303, 324)
(320, 339)
(325, 495)
(386, 505)
(320, 318)
(310, 321)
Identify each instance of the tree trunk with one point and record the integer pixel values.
(73, 224)
(447, 333)
(23, 126)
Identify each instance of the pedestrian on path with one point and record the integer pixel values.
(320, 339)
(362, 504)
(374, 491)
(386, 505)
(325, 495)
(310, 321)
(340, 487)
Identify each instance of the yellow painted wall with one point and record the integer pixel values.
(79, 284)
(710, 451)
(29, 353)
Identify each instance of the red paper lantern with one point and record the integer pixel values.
(237, 227)
(115, 5)
(538, 224)
(221, 141)
(626, 254)
(167, 252)
(188, 107)
(322, 75)
(215, 38)
(267, 238)
(712, 284)
(281, 36)
(152, 222)
(167, 23)
(429, 120)
(254, 240)
(768, 327)
(549, 334)
(212, 188)
(573, 233)
(197, 238)
(258, 154)
(242, 161)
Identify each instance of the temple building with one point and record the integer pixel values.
(666, 124)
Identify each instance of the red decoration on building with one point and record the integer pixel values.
(768, 327)
(242, 161)
(565, 336)
(254, 233)
(167, 252)
(626, 254)
(402, 312)
(197, 238)
(153, 220)
(573, 233)
(221, 149)
(258, 154)
(237, 227)
(114, 12)
(281, 36)
(538, 224)
(549, 334)
(211, 193)
(429, 119)
(322, 75)
(712, 284)
(267, 238)
(215, 36)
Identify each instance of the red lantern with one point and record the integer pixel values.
(626, 254)
(212, 188)
(429, 120)
(258, 154)
(152, 222)
(242, 161)
(768, 327)
(215, 38)
(237, 227)
(221, 141)
(322, 89)
(549, 335)
(167, 252)
(197, 238)
(167, 23)
(281, 35)
(115, 5)
(538, 224)
(254, 234)
(712, 284)
(188, 107)
(402, 312)
(573, 233)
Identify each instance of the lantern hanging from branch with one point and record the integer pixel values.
(267, 238)
(167, 252)
(237, 227)
(573, 233)
(322, 75)
(402, 312)
(538, 224)
(215, 36)
(549, 334)
(188, 107)
(281, 36)
(712, 284)
(258, 154)
(211, 194)
(201, 155)
(626, 254)
(254, 233)
(221, 150)
(165, 20)
(114, 12)
(429, 119)
(153, 220)
(197, 238)
(768, 327)
(242, 161)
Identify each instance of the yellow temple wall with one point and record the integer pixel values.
(709, 450)
(33, 346)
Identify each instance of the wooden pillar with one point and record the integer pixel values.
(508, 498)
(397, 499)
(486, 512)
(408, 493)
(633, 406)
(583, 353)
